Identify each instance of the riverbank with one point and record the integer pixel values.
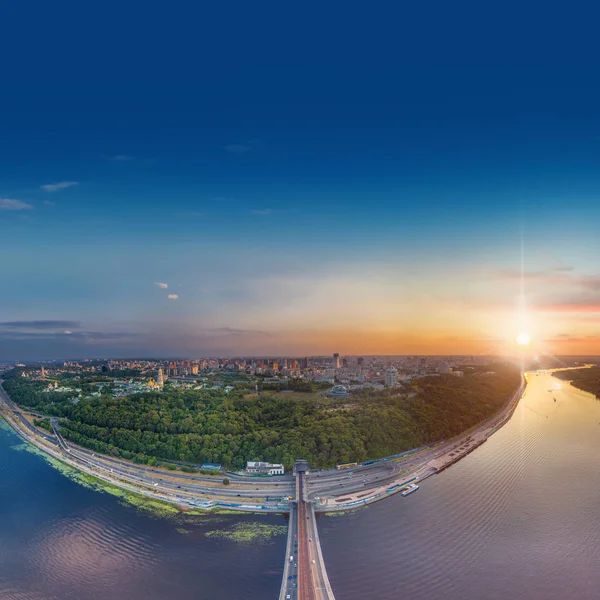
(415, 468)
(144, 499)
(430, 462)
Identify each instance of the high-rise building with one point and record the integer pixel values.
(306, 362)
(344, 362)
(275, 366)
(391, 377)
(336, 360)
(444, 368)
(43, 371)
(194, 369)
(160, 380)
(360, 361)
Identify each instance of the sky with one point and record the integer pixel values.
(266, 180)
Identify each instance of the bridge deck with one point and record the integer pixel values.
(309, 579)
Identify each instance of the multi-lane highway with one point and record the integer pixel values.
(14, 409)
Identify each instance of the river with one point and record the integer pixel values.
(517, 518)
(62, 541)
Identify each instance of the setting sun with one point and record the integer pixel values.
(523, 339)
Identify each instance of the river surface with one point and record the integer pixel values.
(517, 518)
(62, 541)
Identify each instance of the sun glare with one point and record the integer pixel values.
(523, 339)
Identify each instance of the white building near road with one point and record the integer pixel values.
(264, 468)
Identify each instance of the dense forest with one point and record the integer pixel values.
(587, 380)
(211, 426)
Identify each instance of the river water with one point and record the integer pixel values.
(62, 541)
(517, 518)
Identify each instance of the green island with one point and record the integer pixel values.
(248, 532)
(197, 426)
(587, 380)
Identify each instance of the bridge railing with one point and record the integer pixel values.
(328, 592)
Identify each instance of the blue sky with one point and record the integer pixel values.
(303, 181)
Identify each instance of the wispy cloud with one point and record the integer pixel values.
(242, 148)
(121, 157)
(61, 185)
(173, 297)
(261, 211)
(557, 263)
(49, 203)
(87, 337)
(161, 285)
(11, 204)
(197, 214)
(42, 324)
(236, 331)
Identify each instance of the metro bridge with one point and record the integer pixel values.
(304, 573)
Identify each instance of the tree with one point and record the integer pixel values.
(208, 425)
(226, 481)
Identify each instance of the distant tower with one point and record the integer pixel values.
(161, 378)
(43, 371)
(391, 377)
(444, 368)
(336, 360)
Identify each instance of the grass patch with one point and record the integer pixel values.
(183, 531)
(341, 513)
(300, 396)
(248, 532)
